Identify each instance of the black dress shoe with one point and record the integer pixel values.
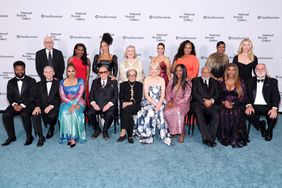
(121, 138)
(207, 142)
(96, 134)
(237, 145)
(50, 133)
(130, 140)
(41, 142)
(213, 144)
(106, 135)
(262, 128)
(69, 143)
(9, 141)
(29, 141)
(268, 137)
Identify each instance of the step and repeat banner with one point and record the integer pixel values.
(25, 23)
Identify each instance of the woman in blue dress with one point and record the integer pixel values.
(71, 109)
(151, 115)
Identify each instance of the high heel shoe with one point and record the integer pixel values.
(69, 143)
(72, 145)
(121, 138)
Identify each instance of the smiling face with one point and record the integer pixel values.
(160, 50)
(231, 72)
(48, 43)
(246, 46)
(188, 49)
(260, 71)
(131, 76)
(220, 49)
(19, 71)
(103, 72)
(79, 51)
(205, 73)
(154, 70)
(178, 72)
(71, 72)
(130, 53)
(48, 73)
(104, 47)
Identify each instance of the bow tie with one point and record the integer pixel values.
(18, 79)
(261, 81)
(49, 81)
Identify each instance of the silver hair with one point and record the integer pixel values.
(128, 71)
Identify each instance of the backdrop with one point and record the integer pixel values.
(25, 23)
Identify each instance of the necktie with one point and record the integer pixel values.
(261, 80)
(50, 61)
(103, 83)
(206, 83)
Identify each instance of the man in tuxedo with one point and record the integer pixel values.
(103, 100)
(50, 56)
(263, 98)
(205, 97)
(21, 95)
(47, 103)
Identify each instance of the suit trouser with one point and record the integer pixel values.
(126, 118)
(8, 120)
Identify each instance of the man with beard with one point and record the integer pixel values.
(20, 94)
(263, 99)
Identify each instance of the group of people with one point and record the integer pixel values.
(220, 99)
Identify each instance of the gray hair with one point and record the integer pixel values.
(131, 70)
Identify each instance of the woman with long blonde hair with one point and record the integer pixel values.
(246, 59)
(232, 127)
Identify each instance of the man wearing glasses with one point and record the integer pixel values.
(50, 56)
(103, 98)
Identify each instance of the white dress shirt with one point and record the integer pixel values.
(259, 100)
(47, 52)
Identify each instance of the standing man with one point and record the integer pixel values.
(263, 98)
(205, 95)
(103, 98)
(50, 56)
(47, 104)
(21, 95)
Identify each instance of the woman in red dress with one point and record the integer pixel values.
(82, 66)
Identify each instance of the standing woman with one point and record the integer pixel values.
(186, 55)
(131, 62)
(105, 57)
(178, 94)
(218, 61)
(232, 128)
(71, 115)
(82, 66)
(164, 63)
(246, 59)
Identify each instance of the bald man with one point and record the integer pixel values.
(263, 99)
(50, 56)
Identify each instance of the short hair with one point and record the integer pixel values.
(48, 37)
(220, 43)
(205, 67)
(49, 67)
(19, 63)
(131, 70)
(130, 46)
(104, 66)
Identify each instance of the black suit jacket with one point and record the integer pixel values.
(200, 92)
(41, 61)
(43, 99)
(104, 95)
(27, 94)
(269, 90)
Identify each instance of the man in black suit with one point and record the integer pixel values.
(205, 97)
(103, 100)
(50, 56)
(21, 95)
(263, 98)
(46, 104)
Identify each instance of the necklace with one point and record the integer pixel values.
(131, 91)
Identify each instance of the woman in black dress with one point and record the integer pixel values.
(130, 97)
(246, 59)
(105, 57)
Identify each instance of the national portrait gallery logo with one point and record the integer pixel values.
(78, 16)
(185, 38)
(212, 37)
(187, 16)
(24, 15)
(209, 17)
(80, 37)
(56, 36)
(160, 37)
(3, 36)
(7, 75)
(133, 16)
(265, 37)
(51, 16)
(28, 56)
(268, 17)
(241, 17)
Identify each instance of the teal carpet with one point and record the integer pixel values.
(103, 163)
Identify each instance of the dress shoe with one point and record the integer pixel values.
(243, 143)
(40, 142)
(130, 140)
(96, 134)
(29, 141)
(213, 144)
(106, 135)
(207, 142)
(121, 138)
(9, 141)
(262, 128)
(50, 133)
(268, 136)
(236, 145)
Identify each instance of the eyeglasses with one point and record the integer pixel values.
(103, 72)
(131, 75)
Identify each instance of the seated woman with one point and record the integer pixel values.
(178, 95)
(105, 57)
(232, 127)
(151, 114)
(130, 97)
(71, 116)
